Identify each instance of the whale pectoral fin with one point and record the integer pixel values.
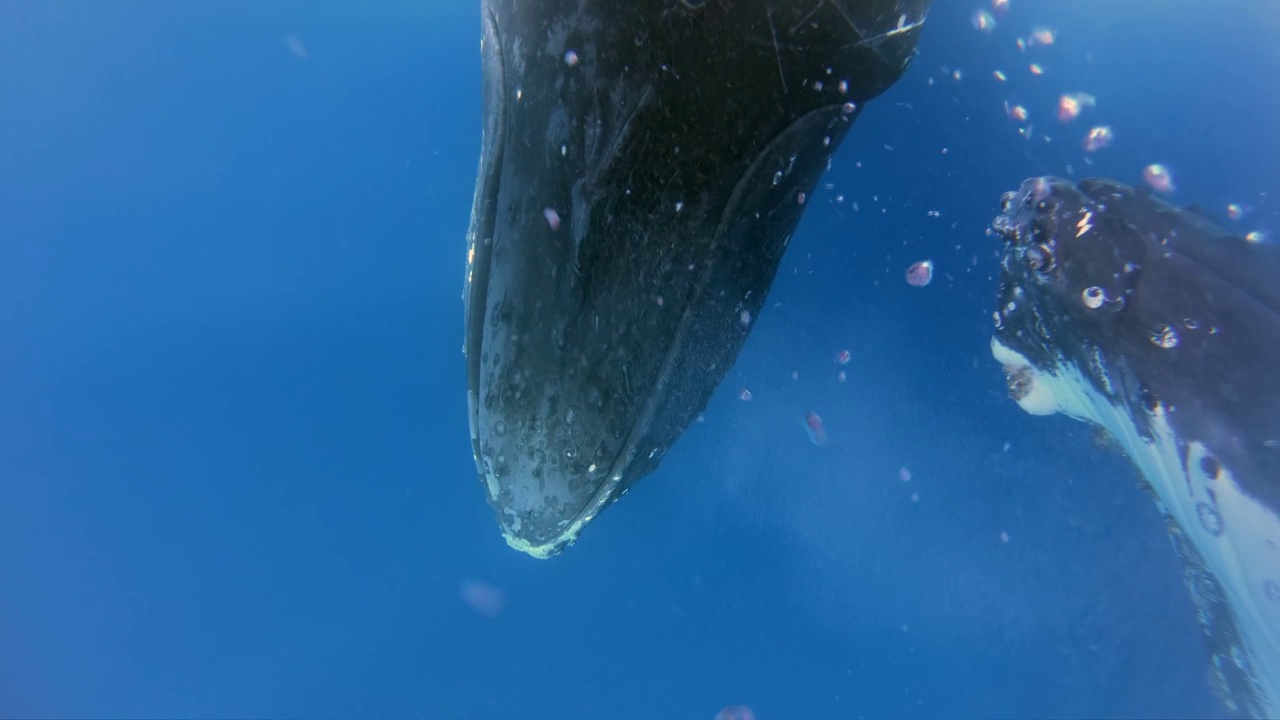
(1120, 310)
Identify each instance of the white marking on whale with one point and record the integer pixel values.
(1237, 537)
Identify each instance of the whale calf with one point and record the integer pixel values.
(1148, 321)
(643, 166)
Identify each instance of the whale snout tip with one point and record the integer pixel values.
(542, 513)
(544, 551)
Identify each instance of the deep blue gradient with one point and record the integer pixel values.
(235, 476)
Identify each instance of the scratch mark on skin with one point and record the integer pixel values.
(870, 37)
(805, 19)
(845, 14)
(777, 52)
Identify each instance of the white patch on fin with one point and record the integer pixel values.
(1035, 394)
(1237, 537)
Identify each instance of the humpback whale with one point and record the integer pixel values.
(1149, 322)
(643, 166)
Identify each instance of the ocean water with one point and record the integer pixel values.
(235, 472)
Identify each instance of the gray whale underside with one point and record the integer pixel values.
(1151, 322)
(644, 163)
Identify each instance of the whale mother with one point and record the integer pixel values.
(643, 166)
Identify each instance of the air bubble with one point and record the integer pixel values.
(1272, 591)
(1093, 297)
(1210, 519)
(1164, 336)
(1210, 466)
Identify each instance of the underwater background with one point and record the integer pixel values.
(235, 472)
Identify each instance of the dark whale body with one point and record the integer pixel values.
(644, 164)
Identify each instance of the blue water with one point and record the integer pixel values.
(235, 474)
